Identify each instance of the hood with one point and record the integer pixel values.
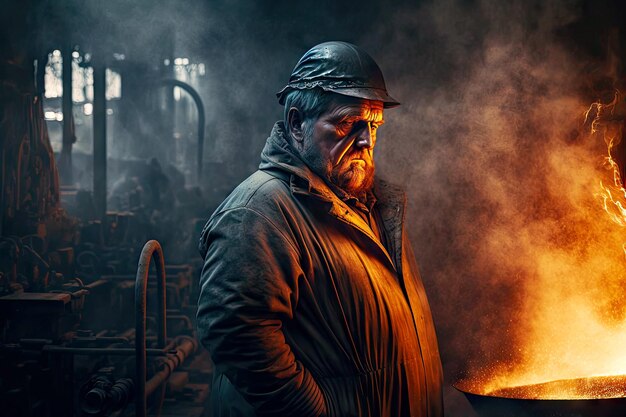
(279, 155)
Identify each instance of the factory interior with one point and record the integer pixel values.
(123, 125)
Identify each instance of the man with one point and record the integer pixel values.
(311, 303)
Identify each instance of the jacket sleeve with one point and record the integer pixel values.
(248, 287)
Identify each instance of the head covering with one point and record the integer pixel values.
(342, 68)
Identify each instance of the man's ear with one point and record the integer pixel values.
(294, 118)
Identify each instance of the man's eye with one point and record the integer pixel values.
(345, 125)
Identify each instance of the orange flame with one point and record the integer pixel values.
(575, 308)
(608, 120)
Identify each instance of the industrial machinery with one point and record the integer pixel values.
(86, 329)
(89, 344)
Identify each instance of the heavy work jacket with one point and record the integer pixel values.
(304, 311)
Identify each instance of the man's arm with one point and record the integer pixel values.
(249, 285)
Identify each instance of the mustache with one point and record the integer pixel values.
(357, 155)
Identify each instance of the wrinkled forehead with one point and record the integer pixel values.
(348, 107)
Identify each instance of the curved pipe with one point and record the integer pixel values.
(151, 249)
(201, 117)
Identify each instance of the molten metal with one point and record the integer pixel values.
(595, 387)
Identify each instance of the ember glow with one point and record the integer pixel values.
(571, 345)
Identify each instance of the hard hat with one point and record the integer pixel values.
(342, 68)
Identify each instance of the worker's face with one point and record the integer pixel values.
(339, 145)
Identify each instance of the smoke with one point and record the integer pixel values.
(524, 269)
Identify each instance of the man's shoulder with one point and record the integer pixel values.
(259, 199)
(257, 191)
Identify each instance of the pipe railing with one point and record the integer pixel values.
(201, 119)
(152, 249)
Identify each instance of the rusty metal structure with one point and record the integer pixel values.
(74, 346)
(86, 328)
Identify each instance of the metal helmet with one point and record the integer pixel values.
(342, 68)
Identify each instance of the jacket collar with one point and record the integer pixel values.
(278, 154)
(281, 160)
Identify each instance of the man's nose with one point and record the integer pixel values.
(365, 137)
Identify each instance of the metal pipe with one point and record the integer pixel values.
(201, 118)
(151, 249)
(99, 140)
(102, 351)
(185, 348)
(68, 118)
(103, 339)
